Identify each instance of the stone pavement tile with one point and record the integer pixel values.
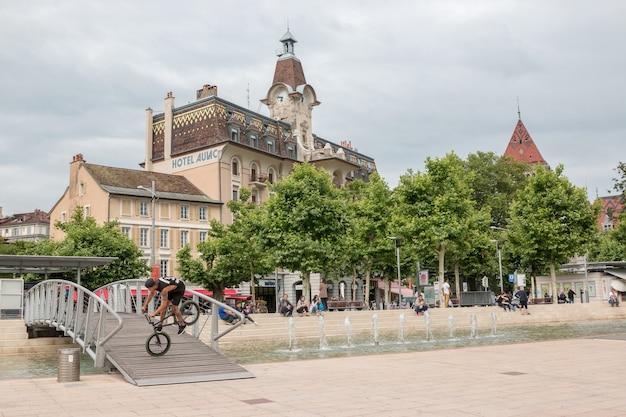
(556, 378)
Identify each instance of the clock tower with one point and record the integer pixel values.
(290, 98)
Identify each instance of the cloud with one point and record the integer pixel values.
(403, 80)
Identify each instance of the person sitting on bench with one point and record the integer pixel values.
(562, 298)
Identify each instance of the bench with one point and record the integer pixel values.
(541, 300)
(345, 305)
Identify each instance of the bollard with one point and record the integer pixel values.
(69, 365)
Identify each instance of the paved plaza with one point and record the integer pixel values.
(577, 377)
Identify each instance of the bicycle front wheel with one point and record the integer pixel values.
(158, 344)
(190, 311)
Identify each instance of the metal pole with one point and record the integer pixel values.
(153, 190)
(500, 265)
(399, 278)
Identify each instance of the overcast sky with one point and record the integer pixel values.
(402, 80)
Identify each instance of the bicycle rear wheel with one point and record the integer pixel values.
(158, 344)
(190, 311)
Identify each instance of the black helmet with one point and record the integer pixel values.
(150, 283)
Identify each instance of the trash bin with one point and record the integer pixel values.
(69, 365)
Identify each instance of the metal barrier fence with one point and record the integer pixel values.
(78, 312)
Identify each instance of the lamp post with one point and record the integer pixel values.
(152, 191)
(499, 261)
(395, 242)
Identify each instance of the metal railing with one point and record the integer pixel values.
(127, 296)
(78, 312)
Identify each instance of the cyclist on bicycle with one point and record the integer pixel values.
(171, 290)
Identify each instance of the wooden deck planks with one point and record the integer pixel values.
(188, 360)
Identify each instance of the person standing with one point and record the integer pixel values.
(523, 300)
(324, 293)
(446, 293)
(570, 295)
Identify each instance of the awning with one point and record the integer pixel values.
(406, 292)
(618, 285)
(229, 293)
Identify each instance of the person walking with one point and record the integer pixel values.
(570, 295)
(324, 293)
(523, 300)
(446, 293)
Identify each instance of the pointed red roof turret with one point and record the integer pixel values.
(522, 148)
(289, 68)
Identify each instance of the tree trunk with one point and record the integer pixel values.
(441, 254)
(553, 276)
(457, 279)
(366, 292)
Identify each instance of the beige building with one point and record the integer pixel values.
(221, 147)
(200, 155)
(33, 227)
(181, 211)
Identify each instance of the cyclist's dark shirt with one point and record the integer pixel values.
(167, 281)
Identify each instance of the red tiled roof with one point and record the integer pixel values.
(522, 147)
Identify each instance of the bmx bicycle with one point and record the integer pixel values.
(159, 342)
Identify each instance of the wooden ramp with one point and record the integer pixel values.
(188, 360)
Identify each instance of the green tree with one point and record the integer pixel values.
(495, 182)
(369, 206)
(434, 210)
(551, 221)
(83, 237)
(306, 223)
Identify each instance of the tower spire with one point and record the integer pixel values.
(519, 114)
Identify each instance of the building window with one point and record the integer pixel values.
(143, 237)
(234, 135)
(164, 268)
(126, 231)
(184, 238)
(291, 152)
(270, 146)
(165, 238)
(235, 194)
(184, 212)
(270, 176)
(126, 211)
(87, 211)
(202, 213)
(254, 197)
(253, 141)
(235, 168)
(143, 208)
(164, 209)
(253, 176)
(81, 189)
(63, 216)
(203, 236)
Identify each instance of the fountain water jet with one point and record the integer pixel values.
(429, 332)
(320, 327)
(451, 325)
(375, 329)
(346, 323)
(292, 333)
(473, 326)
(494, 322)
(402, 328)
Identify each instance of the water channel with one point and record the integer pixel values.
(349, 344)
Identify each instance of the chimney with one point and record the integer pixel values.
(206, 91)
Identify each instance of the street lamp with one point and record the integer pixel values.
(499, 253)
(152, 191)
(395, 242)
(499, 261)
